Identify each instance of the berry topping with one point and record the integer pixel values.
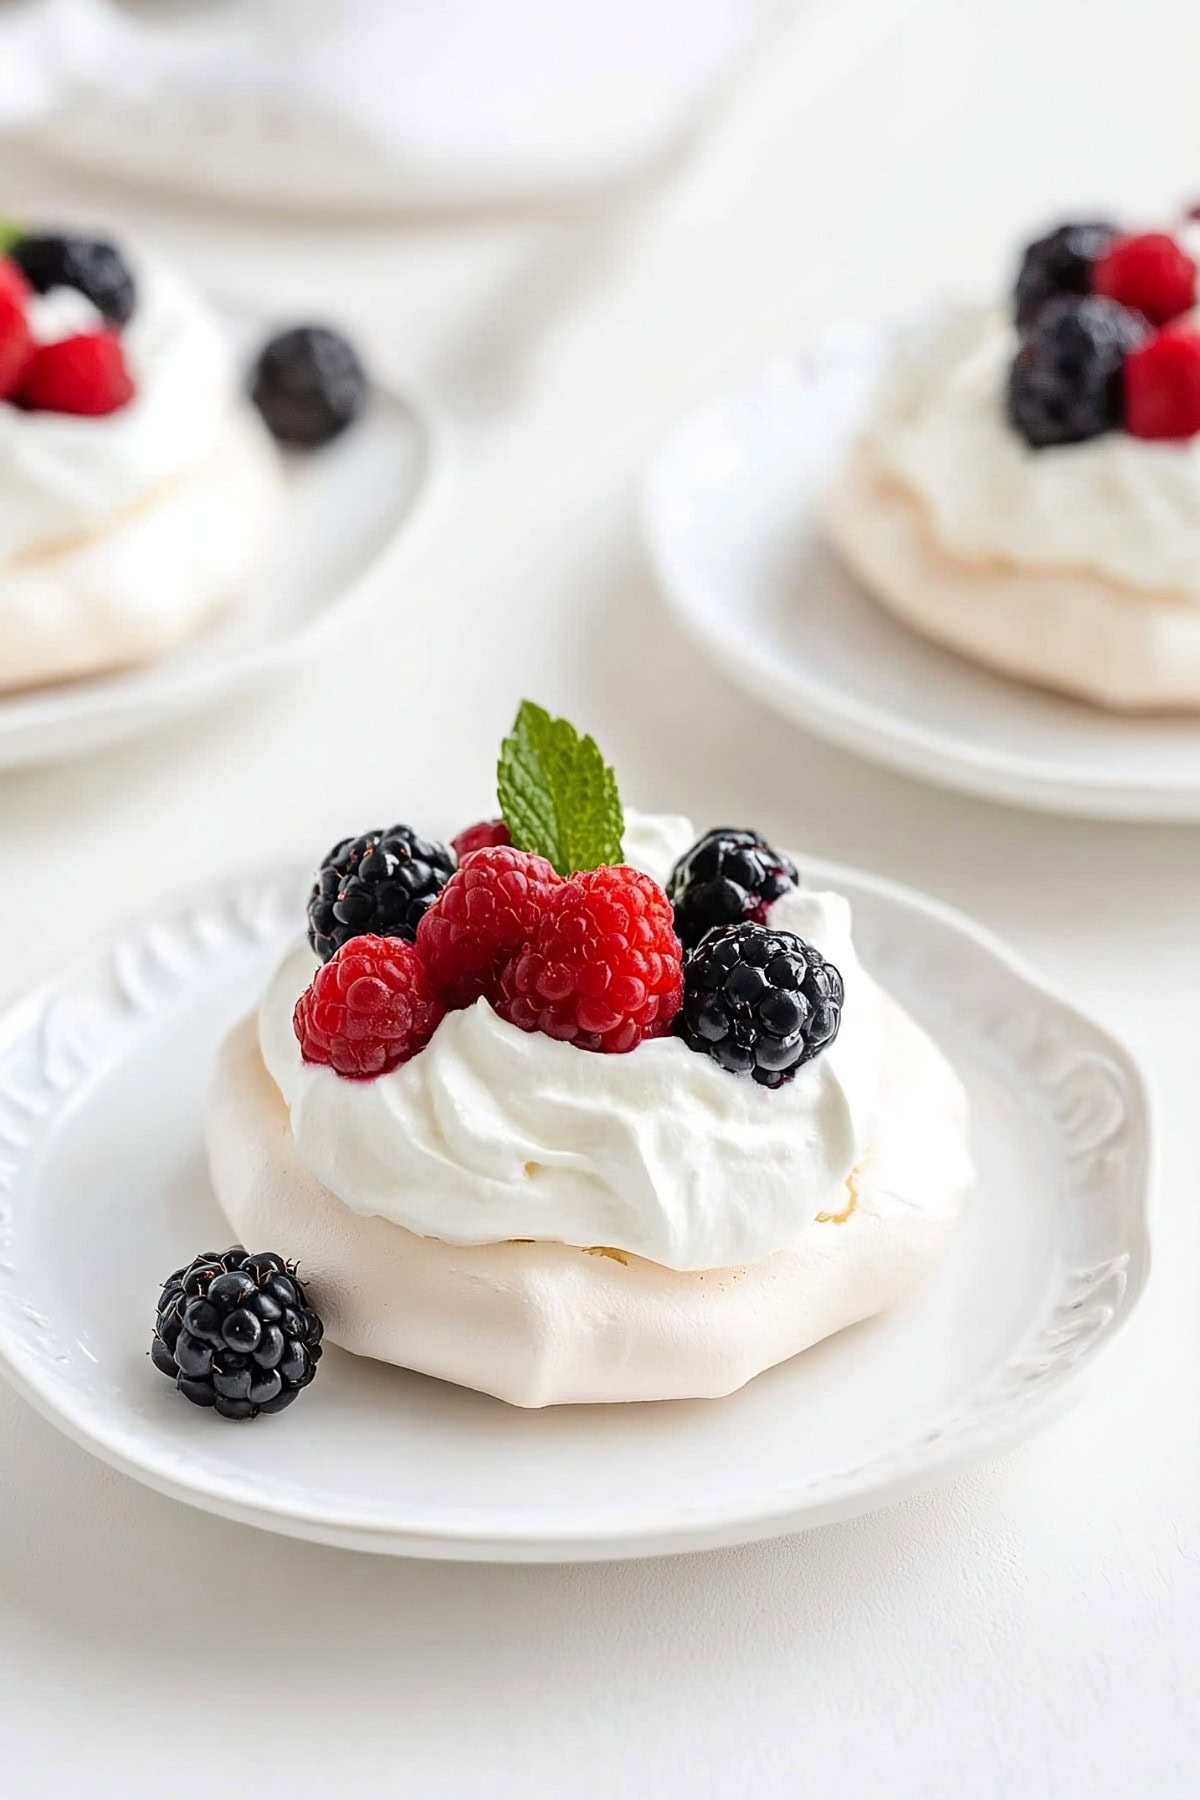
(729, 875)
(13, 284)
(603, 969)
(16, 344)
(309, 385)
(84, 374)
(1060, 263)
(93, 266)
(1150, 273)
(483, 836)
(379, 883)
(236, 1332)
(1065, 384)
(759, 1002)
(1162, 385)
(369, 1010)
(487, 911)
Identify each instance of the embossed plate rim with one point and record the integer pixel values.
(158, 960)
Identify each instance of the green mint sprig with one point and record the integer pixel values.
(557, 794)
(10, 233)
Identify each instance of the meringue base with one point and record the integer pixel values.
(542, 1324)
(1119, 647)
(128, 594)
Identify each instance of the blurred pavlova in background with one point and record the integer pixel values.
(371, 103)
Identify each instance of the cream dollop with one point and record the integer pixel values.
(1117, 505)
(63, 477)
(494, 1134)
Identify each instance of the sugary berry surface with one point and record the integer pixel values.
(1150, 273)
(379, 883)
(728, 875)
(1162, 385)
(235, 1332)
(483, 836)
(93, 266)
(1065, 384)
(1059, 263)
(603, 970)
(309, 385)
(373, 1007)
(487, 911)
(759, 1002)
(16, 343)
(85, 374)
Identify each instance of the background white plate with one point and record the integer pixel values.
(731, 510)
(351, 511)
(103, 1190)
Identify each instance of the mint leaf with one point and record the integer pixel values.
(10, 234)
(557, 794)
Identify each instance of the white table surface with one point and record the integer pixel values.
(1031, 1630)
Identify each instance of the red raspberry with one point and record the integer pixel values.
(487, 911)
(603, 969)
(1150, 273)
(83, 374)
(368, 1009)
(483, 836)
(13, 284)
(16, 344)
(1162, 385)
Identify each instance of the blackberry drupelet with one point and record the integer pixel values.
(378, 885)
(727, 876)
(759, 1002)
(236, 1332)
(1059, 263)
(93, 266)
(309, 385)
(1065, 384)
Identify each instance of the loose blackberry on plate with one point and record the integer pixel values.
(378, 884)
(309, 386)
(234, 1331)
(759, 1002)
(727, 876)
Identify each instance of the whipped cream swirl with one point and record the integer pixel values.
(1116, 506)
(494, 1134)
(64, 477)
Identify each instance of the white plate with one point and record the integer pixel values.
(103, 1190)
(731, 510)
(351, 512)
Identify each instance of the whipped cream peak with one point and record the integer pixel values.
(493, 1134)
(1116, 506)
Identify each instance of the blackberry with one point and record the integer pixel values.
(1066, 383)
(92, 265)
(1059, 263)
(379, 884)
(729, 875)
(236, 1332)
(309, 385)
(759, 1002)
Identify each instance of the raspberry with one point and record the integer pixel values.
(369, 1009)
(487, 911)
(84, 374)
(603, 969)
(1150, 273)
(759, 1002)
(13, 283)
(483, 836)
(16, 344)
(1162, 385)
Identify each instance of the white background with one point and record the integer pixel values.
(1032, 1630)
